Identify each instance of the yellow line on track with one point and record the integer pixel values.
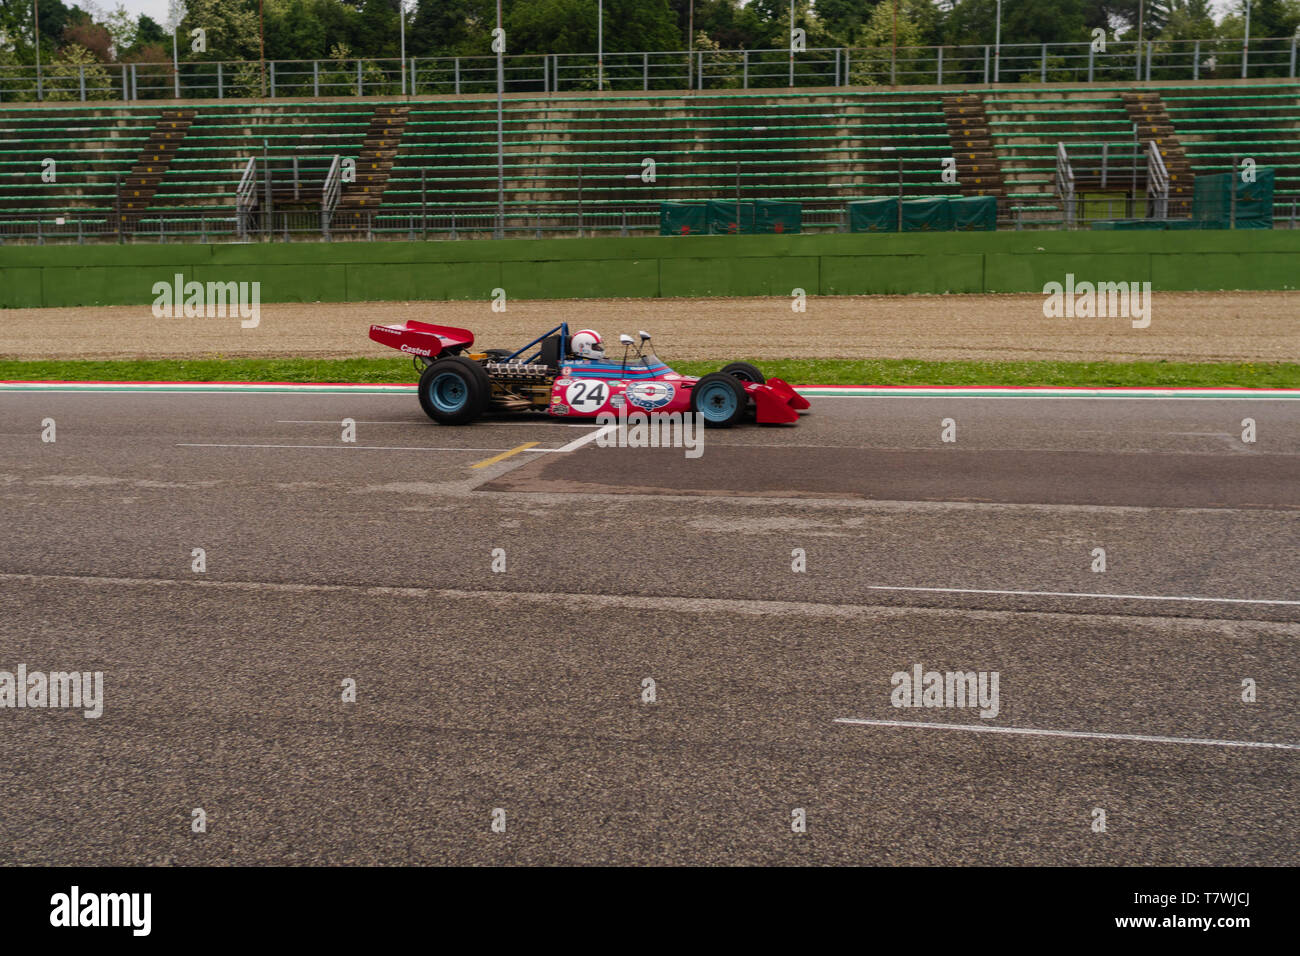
(504, 455)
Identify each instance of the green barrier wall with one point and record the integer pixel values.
(833, 264)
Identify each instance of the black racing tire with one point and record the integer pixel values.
(720, 399)
(745, 372)
(454, 390)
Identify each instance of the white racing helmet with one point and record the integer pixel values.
(586, 343)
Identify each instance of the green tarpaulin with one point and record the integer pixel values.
(944, 214)
(774, 216)
(1212, 200)
(682, 219)
(718, 217)
(1127, 225)
(722, 217)
(974, 213)
(927, 215)
(873, 215)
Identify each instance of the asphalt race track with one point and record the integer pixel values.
(523, 689)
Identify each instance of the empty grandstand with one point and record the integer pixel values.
(595, 163)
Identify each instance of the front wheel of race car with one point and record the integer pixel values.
(454, 390)
(719, 399)
(745, 372)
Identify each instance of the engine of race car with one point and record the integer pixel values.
(519, 385)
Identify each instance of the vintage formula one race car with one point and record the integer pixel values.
(570, 376)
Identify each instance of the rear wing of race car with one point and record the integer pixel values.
(423, 338)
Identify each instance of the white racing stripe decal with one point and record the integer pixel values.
(1077, 734)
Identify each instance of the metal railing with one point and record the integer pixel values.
(478, 222)
(246, 198)
(330, 194)
(1088, 172)
(1065, 182)
(1077, 63)
(1157, 182)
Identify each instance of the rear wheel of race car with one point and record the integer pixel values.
(720, 399)
(745, 372)
(454, 391)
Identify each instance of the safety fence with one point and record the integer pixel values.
(1096, 62)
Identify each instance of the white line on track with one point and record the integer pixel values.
(714, 607)
(571, 446)
(347, 447)
(425, 424)
(1078, 734)
(1085, 594)
(591, 436)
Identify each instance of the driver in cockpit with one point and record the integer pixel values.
(586, 344)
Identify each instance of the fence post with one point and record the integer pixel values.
(135, 83)
(940, 77)
(424, 203)
(699, 68)
(272, 79)
(746, 71)
(457, 74)
(1293, 57)
(221, 85)
(126, 92)
(837, 66)
(1232, 195)
(1091, 55)
(81, 76)
(315, 77)
(1196, 61)
(645, 70)
(986, 64)
(359, 86)
(412, 76)
(1150, 49)
(848, 73)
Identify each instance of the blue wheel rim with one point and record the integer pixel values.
(717, 402)
(448, 392)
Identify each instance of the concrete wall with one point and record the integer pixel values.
(656, 266)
